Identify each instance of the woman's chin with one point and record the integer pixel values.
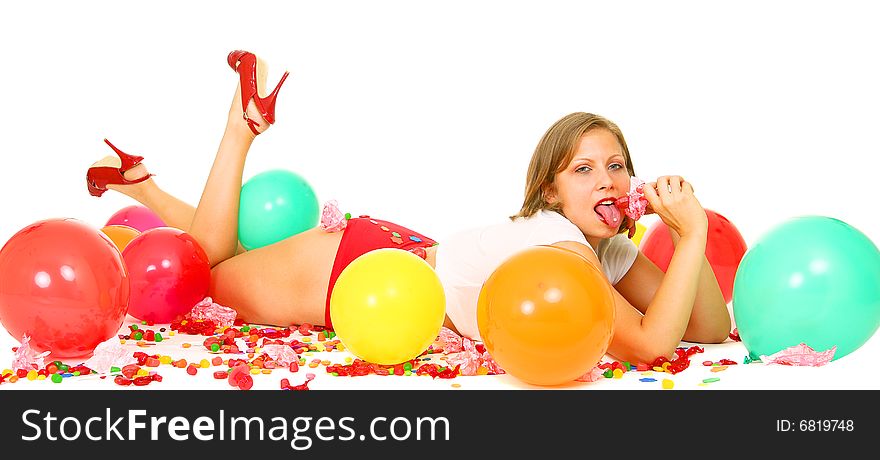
(600, 230)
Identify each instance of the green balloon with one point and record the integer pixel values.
(275, 205)
(811, 279)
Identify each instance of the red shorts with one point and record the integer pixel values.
(362, 235)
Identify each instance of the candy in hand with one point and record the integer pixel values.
(634, 204)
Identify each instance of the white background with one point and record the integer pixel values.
(426, 113)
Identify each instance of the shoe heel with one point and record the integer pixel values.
(268, 102)
(128, 161)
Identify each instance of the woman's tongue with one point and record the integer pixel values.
(610, 214)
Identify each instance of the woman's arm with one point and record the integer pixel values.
(644, 338)
(709, 321)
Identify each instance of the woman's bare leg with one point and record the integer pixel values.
(214, 223)
(174, 212)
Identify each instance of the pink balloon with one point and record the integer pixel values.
(137, 217)
(169, 272)
(65, 285)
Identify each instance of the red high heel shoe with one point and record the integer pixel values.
(99, 177)
(245, 64)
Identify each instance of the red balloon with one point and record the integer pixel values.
(725, 248)
(65, 285)
(169, 271)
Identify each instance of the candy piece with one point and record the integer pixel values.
(303, 386)
(130, 370)
(711, 380)
(246, 382)
(208, 311)
(735, 335)
(591, 376)
(27, 358)
(237, 374)
(221, 375)
(801, 355)
(192, 369)
(647, 379)
(332, 219)
(668, 384)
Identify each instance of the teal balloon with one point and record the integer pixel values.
(811, 279)
(275, 205)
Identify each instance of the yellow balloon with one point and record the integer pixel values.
(387, 306)
(640, 232)
(120, 235)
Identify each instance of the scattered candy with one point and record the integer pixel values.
(735, 335)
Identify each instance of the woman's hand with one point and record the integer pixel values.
(672, 198)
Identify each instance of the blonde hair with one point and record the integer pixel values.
(555, 151)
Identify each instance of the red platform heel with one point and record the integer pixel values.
(245, 64)
(99, 177)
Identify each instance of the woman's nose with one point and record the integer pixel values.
(605, 181)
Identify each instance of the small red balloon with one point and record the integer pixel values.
(169, 271)
(64, 284)
(725, 248)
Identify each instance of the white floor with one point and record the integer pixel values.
(858, 370)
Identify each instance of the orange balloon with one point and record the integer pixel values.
(546, 315)
(120, 235)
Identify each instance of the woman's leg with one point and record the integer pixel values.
(214, 223)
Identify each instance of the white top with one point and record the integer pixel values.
(465, 261)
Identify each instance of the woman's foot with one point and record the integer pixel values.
(133, 174)
(111, 171)
(257, 108)
(252, 113)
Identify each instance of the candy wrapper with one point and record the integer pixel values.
(332, 219)
(634, 204)
(593, 375)
(800, 355)
(490, 364)
(464, 353)
(208, 310)
(110, 353)
(283, 355)
(468, 358)
(449, 341)
(27, 358)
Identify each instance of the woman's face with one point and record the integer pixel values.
(596, 174)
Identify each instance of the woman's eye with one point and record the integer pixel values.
(616, 166)
(583, 169)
